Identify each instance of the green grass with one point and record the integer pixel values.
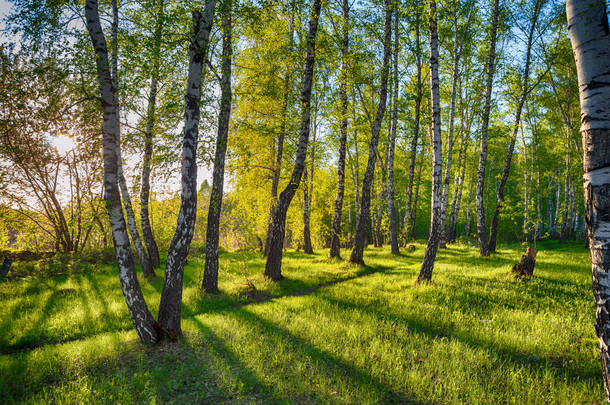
(328, 333)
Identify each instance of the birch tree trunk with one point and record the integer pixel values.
(566, 191)
(413, 153)
(468, 219)
(415, 199)
(170, 308)
(457, 54)
(335, 244)
(457, 189)
(273, 266)
(308, 191)
(481, 226)
(493, 230)
(425, 273)
(131, 219)
(359, 239)
(392, 144)
(141, 317)
(210, 272)
(590, 36)
(147, 234)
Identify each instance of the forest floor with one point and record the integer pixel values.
(329, 333)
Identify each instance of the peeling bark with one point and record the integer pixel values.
(590, 37)
(170, 308)
(141, 317)
(425, 273)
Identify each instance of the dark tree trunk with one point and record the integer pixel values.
(210, 272)
(170, 308)
(425, 273)
(481, 226)
(590, 36)
(365, 201)
(273, 266)
(147, 234)
(279, 149)
(335, 244)
(140, 315)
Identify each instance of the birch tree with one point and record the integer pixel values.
(590, 37)
(170, 309)
(480, 188)
(425, 273)
(210, 273)
(140, 315)
(335, 244)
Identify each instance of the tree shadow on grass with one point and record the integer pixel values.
(326, 364)
(566, 371)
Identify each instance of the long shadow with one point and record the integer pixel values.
(239, 369)
(331, 363)
(533, 360)
(229, 304)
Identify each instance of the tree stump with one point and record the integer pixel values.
(525, 267)
(6, 266)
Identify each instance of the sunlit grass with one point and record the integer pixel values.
(334, 333)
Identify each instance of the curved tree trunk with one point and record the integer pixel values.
(359, 239)
(141, 317)
(210, 272)
(170, 308)
(590, 36)
(493, 230)
(425, 273)
(335, 243)
(279, 147)
(481, 226)
(147, 234)
(273, 266)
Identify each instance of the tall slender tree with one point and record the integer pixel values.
(365, 201)
(141, 317)
(335, 244)
(491, 64)
(410, 212)
(392, 141)
(590, 37)
(273, 266)
(210, 272)
(147, 234)
(170, 309)
(425, 273)
(525, 90)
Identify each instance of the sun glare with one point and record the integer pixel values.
(63, 144)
